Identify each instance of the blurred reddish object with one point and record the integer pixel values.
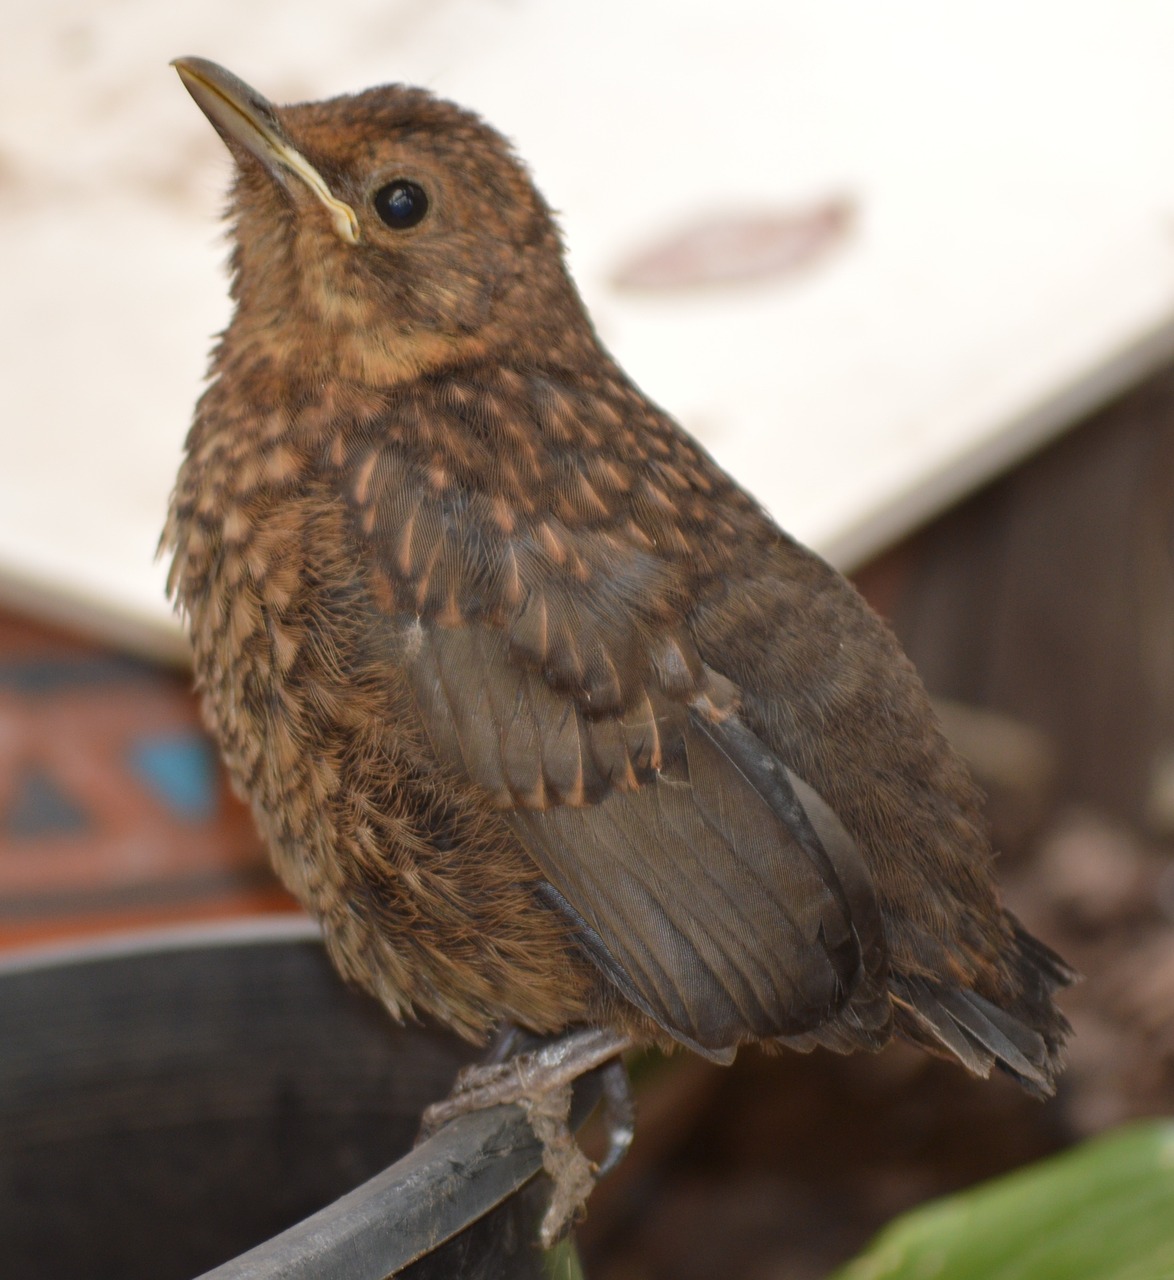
(114, 812)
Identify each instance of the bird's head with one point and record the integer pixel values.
(384, 235)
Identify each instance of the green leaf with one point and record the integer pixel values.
(562, 1262)
(1103, 1211)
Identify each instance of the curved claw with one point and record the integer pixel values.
(619, 1114)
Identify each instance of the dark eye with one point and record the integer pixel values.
(401, 204)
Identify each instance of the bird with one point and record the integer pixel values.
(539, 712)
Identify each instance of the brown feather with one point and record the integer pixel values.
(540, 713)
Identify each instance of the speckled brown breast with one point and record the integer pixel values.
(423, 893)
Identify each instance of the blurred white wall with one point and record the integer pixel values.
(1011, 260)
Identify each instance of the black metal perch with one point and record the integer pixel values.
(168, 1103)
(408, 1211)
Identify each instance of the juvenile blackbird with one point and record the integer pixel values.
(540, 713)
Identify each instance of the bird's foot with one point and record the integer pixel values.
(525, 1075)
(540, 1081)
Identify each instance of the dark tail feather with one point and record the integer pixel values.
(1050, 971)
(1026, 1040)
(922, 1018)
(1021, 1052)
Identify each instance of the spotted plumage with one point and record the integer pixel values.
(539, 712)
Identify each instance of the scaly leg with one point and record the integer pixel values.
(540, 1080)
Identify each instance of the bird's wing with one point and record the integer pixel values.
(677, 846)
(551, 668)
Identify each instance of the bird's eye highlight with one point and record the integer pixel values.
(401, 204)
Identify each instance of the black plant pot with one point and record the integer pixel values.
(167, 1103)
